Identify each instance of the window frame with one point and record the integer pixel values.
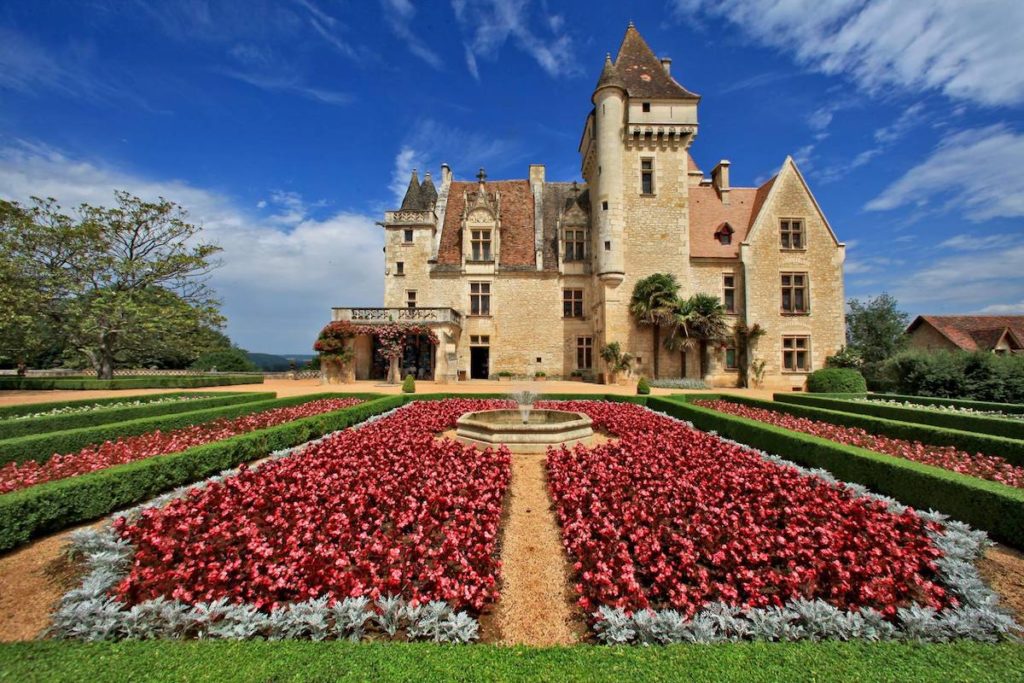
(647, 188)
(399, 268)
(577, 237)
(792, 289)
(795, 350)
(407, 236)
(572, 301)
(480, 299)
(584, 352)
(734, 365)
(729, 292)
(410, 298)
(481, 248)
(787, 232)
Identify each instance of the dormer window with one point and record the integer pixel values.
(575, 244)
(724, 234)
(480, 243)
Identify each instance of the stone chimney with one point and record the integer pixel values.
(446, 173)
(666, 64)
(536, 173)
(720, 180)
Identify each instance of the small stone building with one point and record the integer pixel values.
(1001, 334)
(528, 276)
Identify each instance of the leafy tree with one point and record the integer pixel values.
(703, 317)
(875, 328)
(654, 303)
(119, 285)
(225, 360)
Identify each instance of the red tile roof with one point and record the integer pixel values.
(973, 332)
(708, 214)
(517, 224)
(642, 73)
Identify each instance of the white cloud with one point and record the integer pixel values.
(967, 50)
(975, 171)
(966, 242)
(1005, 309)
(278, 285)
(399, 15)
(492, 23)
(964, 282)
(264, 68)
(406, 160)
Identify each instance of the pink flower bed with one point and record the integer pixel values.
(670, 516)
(384, 509)
(991, 467)
(14, 476)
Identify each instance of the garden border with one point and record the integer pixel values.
(994, 507)
(56, 505)
(1017, 408)
(154, 382)
(1009, 428)
(178, 403)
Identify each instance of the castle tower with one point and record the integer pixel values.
(635, 158)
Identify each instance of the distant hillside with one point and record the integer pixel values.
(269, 362)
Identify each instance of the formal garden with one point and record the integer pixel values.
(354, 534)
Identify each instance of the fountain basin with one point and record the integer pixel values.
(543, 428)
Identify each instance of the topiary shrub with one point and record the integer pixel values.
(642, 387)
(409, 385)
(836, 381)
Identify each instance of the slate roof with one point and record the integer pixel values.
(640, 72)
(708, 214)
(517, 226)
(973, 332)
(411, 201)
(557, 199)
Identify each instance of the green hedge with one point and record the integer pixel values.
(972, 442)
(997, 508)
(994, 426)
(56, 505)
(1015, 408)
(154, 382)
(29, 408)
(41, 447)
(200, 661)
(828, 380)
(54, 423)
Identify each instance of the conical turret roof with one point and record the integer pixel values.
(411, 201)
(642, 73)
(428, 193)
(609, 76)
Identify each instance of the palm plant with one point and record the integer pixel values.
(617, 361)
(704, 318)
(654, 303)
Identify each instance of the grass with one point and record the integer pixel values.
(343, 661)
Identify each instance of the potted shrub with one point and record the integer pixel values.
(576, 375)
(619, 364)
(504, 376)
(539, 376)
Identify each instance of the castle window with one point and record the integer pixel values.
(408, 235)
(730, 358)
(480, 243)
(479, 298)
(724, 234)
(572, 303)
(607, 246)
(584, 353)
(479, 340)
(795, 356)
(729, 292)
(410, 298)
(646, 107)
(575, 245)
(399, 268)
(792, 233)
(647, 176)
(794, 293)
(604, 206)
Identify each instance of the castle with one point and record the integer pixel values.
(530, 276)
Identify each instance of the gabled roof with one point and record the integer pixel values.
(974, 332)
(708, 214)
(640, 73)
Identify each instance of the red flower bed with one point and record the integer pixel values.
(382, 509)
(674, 517)
(991, 467)
(14, 476)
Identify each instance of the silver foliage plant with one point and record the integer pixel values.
(978, 616)
(88, 613)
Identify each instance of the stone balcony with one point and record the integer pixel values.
(424, 315)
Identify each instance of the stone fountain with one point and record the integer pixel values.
(525, 429)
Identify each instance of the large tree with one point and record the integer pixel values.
(703, 317)
(124, 284)
(653, 303)
(876, 328)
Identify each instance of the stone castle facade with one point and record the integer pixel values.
(531, 276)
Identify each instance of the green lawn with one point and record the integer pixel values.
(334, 661)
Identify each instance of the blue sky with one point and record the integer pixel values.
(286, 127)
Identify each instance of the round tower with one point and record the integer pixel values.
(607, 208)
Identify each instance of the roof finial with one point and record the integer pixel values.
(482, 175)
(631, 24)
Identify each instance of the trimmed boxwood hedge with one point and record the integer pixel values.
(1016, 408)
(53, 423)
(997, 508)
(153, 382)
(1009, 427)
(972, 442)
(56, 505)
(41, 447)
(828, 380)
(29, 408)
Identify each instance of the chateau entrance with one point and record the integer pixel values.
(479, 362)
(418, 360)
